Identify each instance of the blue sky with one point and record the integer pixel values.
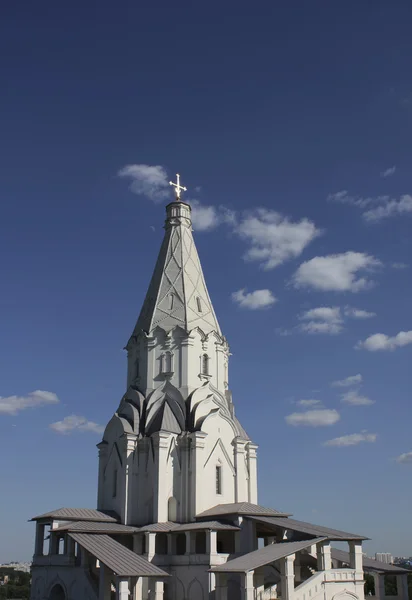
(290, 124)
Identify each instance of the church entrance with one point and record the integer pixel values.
(57, 593)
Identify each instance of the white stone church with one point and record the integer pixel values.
(177, 513)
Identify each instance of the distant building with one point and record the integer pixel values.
(384, 557)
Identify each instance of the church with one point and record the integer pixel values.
(177, 514)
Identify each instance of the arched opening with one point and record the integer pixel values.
(57, 593)
(200, 541)
(60, 545)
(199, 304)
(205, 364)
(181, 543)
(172, 509)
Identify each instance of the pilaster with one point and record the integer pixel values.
(241, 483)
(102, 448)
(129, 501)
(221, 586)
(247, 589)
(197, 460)
(122, 588)
(252, 466)
(356, 558)
(160, 498)
(324, 556)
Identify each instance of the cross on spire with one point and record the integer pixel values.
(178, 188)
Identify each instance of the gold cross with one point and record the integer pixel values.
(178, 187)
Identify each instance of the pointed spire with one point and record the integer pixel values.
(177, 294)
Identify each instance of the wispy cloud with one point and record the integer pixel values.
(274, 238)
(336, 272)
(348, 381)
(313, 418)
(405, 459)
(324, 319)
(256, 300)
(358, 313)
(76, 423)
(375, 208)
(388, 172)
(352, 439)
(12, 405)
(147, 180)
(308, 402)
(381, 341)
(399, 265)
(353, 398)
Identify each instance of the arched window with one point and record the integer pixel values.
(170, 298)
(199, 304)
(205, 364)
(172, 509)
(166, 362)
(218, 479)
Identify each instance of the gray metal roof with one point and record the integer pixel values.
(158, 527)
(368, 563)
(122, 561)
(240, 508)
(176, 527)
(263, 556)
(308, 528)
(213, 525)
(79, 514)
(96, 527)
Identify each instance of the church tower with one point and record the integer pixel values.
(174, 447)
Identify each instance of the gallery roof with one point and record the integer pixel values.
(116, 557)
(306, 528)
(263, 556)
(79, 514)
(240, 508)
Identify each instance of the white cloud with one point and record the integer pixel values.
(336, 272)
(324, 319)
(12, 405)
(308, 402)
(147, 180)
(353, 398)
(274, 238)
(313, 418)
(352, 440)
(204, 218)
(76, 423)
(348, 381)
(399, 265)
(381, 341)
(405, 459)
(343, 197)
(388, 172)
(254, 300)
(358, 313)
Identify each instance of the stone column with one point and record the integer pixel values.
(379, 585)
(150, 545)
(104, 583)
(161, 446)
(129, 501)
(356, 558)
(241, 483)
(102, 447)
(189, 539)
(122, 588)
(402, 585)
(157, 590)
(324, 556)
(247, 590)
(138, 588)
(196, 478)
(221, 586)
(38, 547)
(211, 542)
(287, 577)
(252, 465)
(170, 545)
